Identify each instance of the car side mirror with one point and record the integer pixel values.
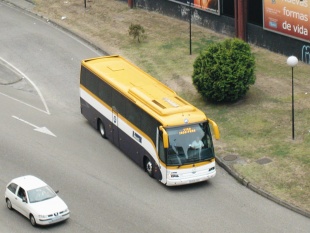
(24, 199)
(57, 191)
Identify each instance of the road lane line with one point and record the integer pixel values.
(10, 97)
(36, 128)
(32, 83)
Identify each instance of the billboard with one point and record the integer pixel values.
(288, 17)
(212, 6)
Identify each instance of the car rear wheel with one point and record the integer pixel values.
(32, 220)
(9, 204)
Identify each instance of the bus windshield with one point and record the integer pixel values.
(189, 144)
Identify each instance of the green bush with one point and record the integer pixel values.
(137, 32)
(224, 71)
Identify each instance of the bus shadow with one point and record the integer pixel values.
(189, 187)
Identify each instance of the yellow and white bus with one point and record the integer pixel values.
(148, 121)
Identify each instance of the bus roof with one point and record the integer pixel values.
(147, 92)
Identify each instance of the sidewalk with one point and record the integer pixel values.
(23, 4)
(227, 165)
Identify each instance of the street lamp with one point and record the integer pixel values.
(292, 62)
(190, 5)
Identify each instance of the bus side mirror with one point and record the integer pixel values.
(165, 137)
(215, 129)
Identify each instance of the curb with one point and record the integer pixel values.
(260, 191)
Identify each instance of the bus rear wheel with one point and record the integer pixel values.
(101, 129)
(148, 166)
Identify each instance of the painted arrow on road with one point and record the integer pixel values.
(36, 128)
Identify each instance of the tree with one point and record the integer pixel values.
(137, 31)
(224, 71)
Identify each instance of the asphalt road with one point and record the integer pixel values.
(43, 133)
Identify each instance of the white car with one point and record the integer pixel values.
(34, 199)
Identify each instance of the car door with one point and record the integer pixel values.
(11, 193)
(21, 201)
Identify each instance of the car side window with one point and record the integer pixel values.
(12, 187)
(21, 193)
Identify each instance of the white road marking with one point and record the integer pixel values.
(36, 128)
(32, 83)
(10, 97)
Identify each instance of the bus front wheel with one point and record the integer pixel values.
(101, 129)
(148, 165)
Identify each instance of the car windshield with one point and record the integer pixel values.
(40, 194)
(189, 144)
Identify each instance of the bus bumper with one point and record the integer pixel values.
(190, 180)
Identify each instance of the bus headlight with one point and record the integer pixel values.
(211, 169)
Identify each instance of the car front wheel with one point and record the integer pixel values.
(9, 204)
(32, 220)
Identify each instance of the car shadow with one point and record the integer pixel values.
(51, 226)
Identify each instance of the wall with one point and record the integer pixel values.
(278, 43)
(226, 25)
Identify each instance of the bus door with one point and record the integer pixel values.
(162, 156)
(115, 130)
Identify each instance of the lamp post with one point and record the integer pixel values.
(292, 62)
(190, 5)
